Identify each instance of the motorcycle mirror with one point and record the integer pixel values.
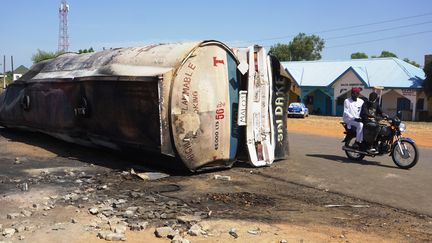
(399, 114)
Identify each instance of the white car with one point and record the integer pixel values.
(298, 109)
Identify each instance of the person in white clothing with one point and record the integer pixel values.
(351, 115)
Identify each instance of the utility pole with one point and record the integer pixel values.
(4, 71)
(12, 69)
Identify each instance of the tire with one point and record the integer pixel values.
(411, 157)
(352, 155)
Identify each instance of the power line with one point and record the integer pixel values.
(374, 23)
(337, 29)
(376, 31)
(381, 39)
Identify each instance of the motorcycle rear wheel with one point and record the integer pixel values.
(353, 155)
(409, 157)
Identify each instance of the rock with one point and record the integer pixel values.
(163, 232)
(128, 214)
(26, 213)
(8, 232)
(253, 232)
(150, 199)
(12, 215)
(78, 181)
(74, 221)
(138, 226)
(29, 227)
(283, 241)
(21, 237)
(121, 229)
(190, 219)
(36, 206)
(110, 236)
(196, 230)
(1, 227)
(19, 228)
(102, 187)
(233, 233)
(134, 209)
(94, 211)
(171, 203)
(179, 239)
(24, 187)
(222, 178)
(45, 214)
(17, 161)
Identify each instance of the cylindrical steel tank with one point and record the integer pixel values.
(176, 99)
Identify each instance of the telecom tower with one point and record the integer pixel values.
(63, 40)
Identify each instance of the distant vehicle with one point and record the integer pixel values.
(298, 110)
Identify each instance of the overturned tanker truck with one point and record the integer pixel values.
(201, 102)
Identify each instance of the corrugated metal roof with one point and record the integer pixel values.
(386, 72)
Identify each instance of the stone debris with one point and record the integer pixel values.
(121, 229)
(110, 236)
(163, 232)
(233, 233)
(26, 213)
(196, 230)
(138, 226)
(179, 239)
(8, 232)
(222, 178)
(94, 211)
(189, 219)
(12, 215)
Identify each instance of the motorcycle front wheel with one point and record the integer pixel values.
(352, 155)
(406, 155)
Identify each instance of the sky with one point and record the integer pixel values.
(369, 26)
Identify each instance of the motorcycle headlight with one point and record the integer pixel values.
(402, 127)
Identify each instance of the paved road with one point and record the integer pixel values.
(319, 161)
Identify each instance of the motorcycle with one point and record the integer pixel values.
(386, 138)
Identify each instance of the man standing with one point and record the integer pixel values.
(351, 115)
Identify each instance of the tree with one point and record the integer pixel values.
(281, 52)
(386, 54)
(411, 62)
(427, 83)
(359, 55)
(301, 48)
(44, 55)
(81, 51)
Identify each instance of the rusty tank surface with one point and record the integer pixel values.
(179, 99)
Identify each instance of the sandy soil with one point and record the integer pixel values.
(421, 132)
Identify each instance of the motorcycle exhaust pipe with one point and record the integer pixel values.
(354, 150)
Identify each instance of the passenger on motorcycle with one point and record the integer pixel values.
(370, 114)
(351, 115)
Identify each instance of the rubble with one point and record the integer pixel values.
(110, 236)
(196, 230)
(163, 232)
(12, 215)
(222, 178)
(233, 233)
(94, 211)
(8, 232)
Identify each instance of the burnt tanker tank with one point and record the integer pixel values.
(180, 100)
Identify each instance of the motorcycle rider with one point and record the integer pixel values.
(370, 114)
(351, 115)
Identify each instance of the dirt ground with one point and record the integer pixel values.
(421, 132)
(65, 181)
